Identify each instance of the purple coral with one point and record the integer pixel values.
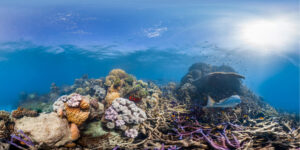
(111, 114)
(120, 123)
(28, 142)
(196, 132)
(132, 133)
(74, 100)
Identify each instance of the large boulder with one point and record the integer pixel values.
(202, 80)
(47, 129)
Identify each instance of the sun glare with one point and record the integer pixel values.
(268, 35)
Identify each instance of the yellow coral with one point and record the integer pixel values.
(110, 97)
(75, 115)
(118, 73)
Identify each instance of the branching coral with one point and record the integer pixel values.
(23, 138)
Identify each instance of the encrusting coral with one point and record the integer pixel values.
(21, 112)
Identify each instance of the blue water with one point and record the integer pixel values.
(42, 43)
(34, 69)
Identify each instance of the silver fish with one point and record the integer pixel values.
(229, 102)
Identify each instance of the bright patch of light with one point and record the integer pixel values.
(268, 35)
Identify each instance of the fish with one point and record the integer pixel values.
(229, 102)
(135, 99)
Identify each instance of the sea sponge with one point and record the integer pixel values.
(75, 115)
(110, 97)
(84, 104)
(75, 133)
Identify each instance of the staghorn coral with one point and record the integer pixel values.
(21, 112)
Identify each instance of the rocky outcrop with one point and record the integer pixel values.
(202, 80)
(46, 129)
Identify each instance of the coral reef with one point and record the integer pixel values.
(6, 125)
(121, 112)
(77, 108)
(124, 114)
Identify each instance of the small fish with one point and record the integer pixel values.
(261, 118)
(134, 99)
(229, 102)
(245, 116)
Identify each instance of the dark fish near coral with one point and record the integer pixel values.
(229, 102)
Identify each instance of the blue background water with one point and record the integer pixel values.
(41, 43)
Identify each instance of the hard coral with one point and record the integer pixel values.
(21, 112)
(75, 115)
(110, 97)
(74, 100)
(84, 104)
(132, 133)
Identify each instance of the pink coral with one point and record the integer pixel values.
(74, 100)
(132, 133)
(111, 114)
(120, 123)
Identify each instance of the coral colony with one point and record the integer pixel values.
(209, 109)
(21, 137)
